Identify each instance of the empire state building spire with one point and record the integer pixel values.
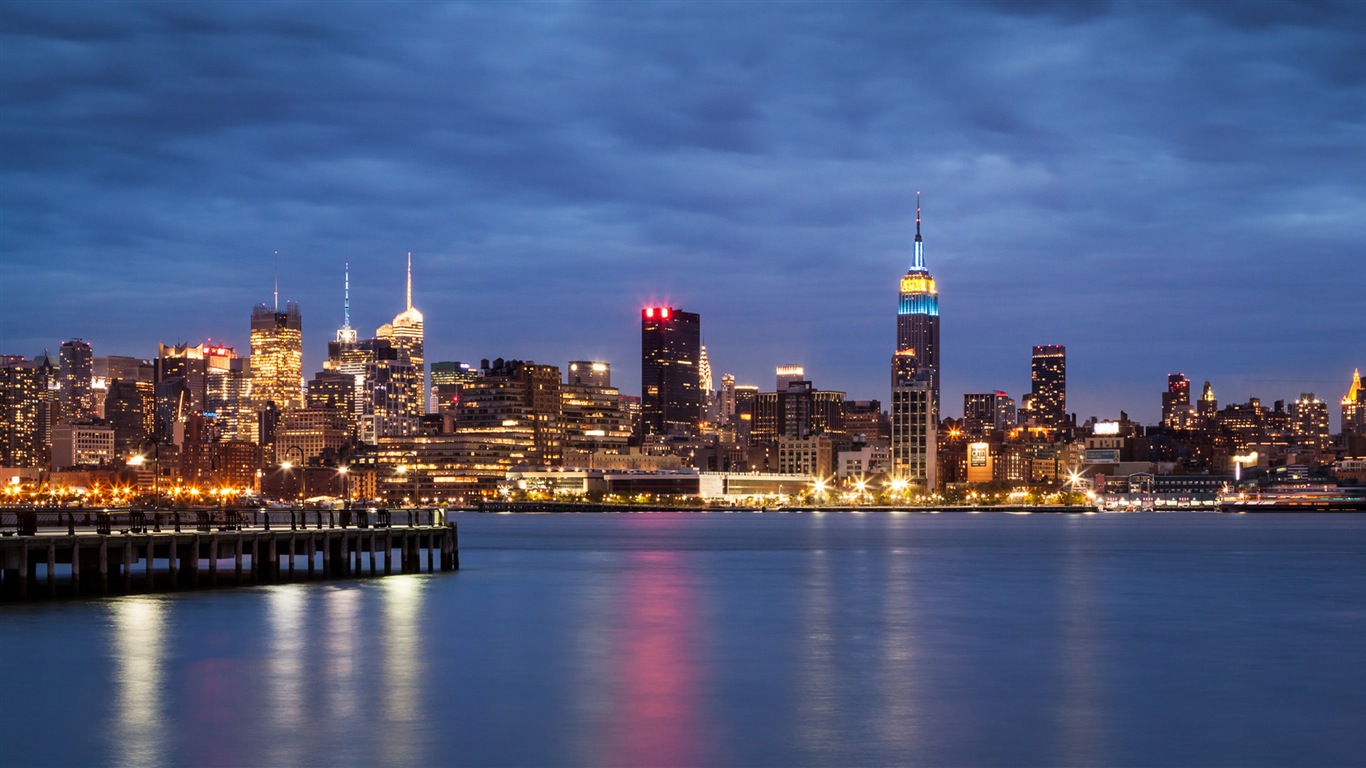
(918, 261)
(410, 279)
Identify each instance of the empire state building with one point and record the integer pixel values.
(915, 376)
(917, 320)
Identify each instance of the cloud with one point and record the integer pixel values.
(1121, 176)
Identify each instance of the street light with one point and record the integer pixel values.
(346, 486)
(287, 465)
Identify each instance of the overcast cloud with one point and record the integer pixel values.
(1160, 186)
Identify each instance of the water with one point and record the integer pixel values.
(736, 639)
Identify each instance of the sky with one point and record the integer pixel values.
(1160, 186)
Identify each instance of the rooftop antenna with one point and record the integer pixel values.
(919, 263)
(410, 279)
(346, 298)
(277, 281)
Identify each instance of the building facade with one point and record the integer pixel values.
(670, 359)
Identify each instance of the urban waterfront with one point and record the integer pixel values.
(736, 639)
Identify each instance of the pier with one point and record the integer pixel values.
(48, 553)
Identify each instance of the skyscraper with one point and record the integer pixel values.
(77, 400)
(670, 358)
(917, 321)
(407, 334)
(277, 340)
(1176, 401)
(1354, 408)
(1049, 377)
(915, 432)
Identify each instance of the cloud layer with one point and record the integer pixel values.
(1158, 186)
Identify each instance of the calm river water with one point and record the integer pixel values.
(736, 639)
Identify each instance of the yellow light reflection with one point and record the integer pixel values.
(139, 678)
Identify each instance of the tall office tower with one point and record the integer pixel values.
(670, 357)
(1354, 408)
(704, 371)
(277, 343)
(745, 397)
(1208, 407)
(130, 408)
(1309, 421)
(406, 333)
(182, 361)
(727, 412)
(917, 321)
(77, 370)
(227, 392)
(914, 432)
(788, 374)
(588, 373)
(1049, 377)
(390, 391)
(22, 388)
(448, 377)
(1176, 401)
(986, 412)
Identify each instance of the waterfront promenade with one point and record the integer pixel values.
(71, 552)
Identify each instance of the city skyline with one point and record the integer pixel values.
(555, 170)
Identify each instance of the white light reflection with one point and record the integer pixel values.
(139, 735)
(819, 710)
(899, 675)
(286, 683)
(1080, 731)
(343, 692)
(403, 669)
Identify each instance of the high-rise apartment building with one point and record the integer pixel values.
(76, 373)
(670, 358)
(22, 388)
(914, 432)
(407, 332)
(277, 356)
(1049, 377)
(1309, 421)
(917, 321)
(1176, 401)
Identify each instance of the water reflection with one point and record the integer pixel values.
(342, 607)
(287, 681)
(897, 720)
(403, 670)
(1079, 727)
(139, 736)
(817, 708)
(658, 718)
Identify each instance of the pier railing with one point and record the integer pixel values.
(33, 521)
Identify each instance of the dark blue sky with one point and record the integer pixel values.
(1160, 186)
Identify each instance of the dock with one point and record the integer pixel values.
(53, 553)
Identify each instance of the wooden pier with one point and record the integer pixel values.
(53, 553)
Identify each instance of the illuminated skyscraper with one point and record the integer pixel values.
(77, 400)
(407, 333)
(1176, 401)
(589, 373)
(1354, 408)
(1049, 377)
(1309, 421)
(915, 432)
(277, 341)
(915, 373)
(670, 357)
(917, 321)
